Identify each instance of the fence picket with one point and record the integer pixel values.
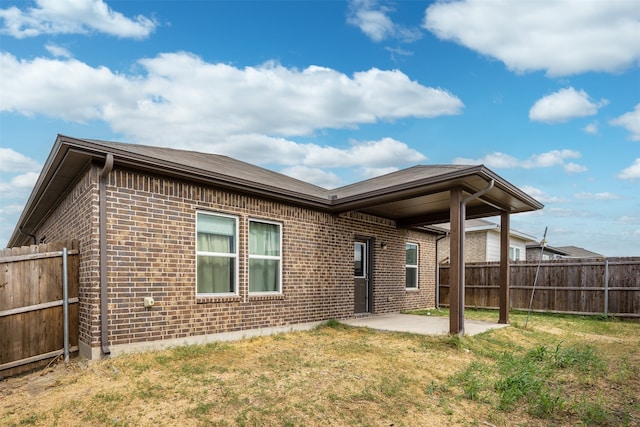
(31, 312)
(600, 287)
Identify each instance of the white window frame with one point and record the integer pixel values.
(233, 255)
(267, 257)
(514, 253)
(413, 266)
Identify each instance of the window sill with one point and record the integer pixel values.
(412, 289)
(217, 299)
(266, 297)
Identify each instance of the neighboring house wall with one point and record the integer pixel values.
(493, 246)
(521, 249)
(151, 224)
(482, 246)
(475, 248)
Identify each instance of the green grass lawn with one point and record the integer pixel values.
(558, 370)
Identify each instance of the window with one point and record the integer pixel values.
(411, 266)
(217, 254)
(514, 253)
(359, 259)
(265, 256)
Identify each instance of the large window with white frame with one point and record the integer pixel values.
(265, 257)
(217, 254)
(411, 252)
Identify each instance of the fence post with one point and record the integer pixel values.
(606, 287)
(65, 303)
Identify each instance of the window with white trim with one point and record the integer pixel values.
(411, 266)
(265, 257)
(217, 254)
(514, 253)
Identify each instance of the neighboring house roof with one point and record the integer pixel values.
(475, 225)
(547, 249)
(416, 196)
(576, 252)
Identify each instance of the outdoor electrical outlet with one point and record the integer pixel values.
(148, 302)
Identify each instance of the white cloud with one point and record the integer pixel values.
(629, 219)
(571, 213)
(246, 113)
(564, 105)
(591, 128)
(18, 186)
(541, 195)
(373, 20)
(632, 172)
(58, 51)
(373, 154)
(73, 17)
(597, 196)
(557, 36)
(317, 176)
(630, 121)
(366, 158)
(13, 162)
(10, 210)
(543, 160)
(574, 168)
(366, 173)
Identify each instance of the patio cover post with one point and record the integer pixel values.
(455, 252)
(504, 267)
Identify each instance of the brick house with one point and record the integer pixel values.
(482, 242)
(223, 247)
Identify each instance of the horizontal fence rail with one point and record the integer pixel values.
(32, 305)
(609, 287)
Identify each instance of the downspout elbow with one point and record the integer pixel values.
(479, 193)
(108, 166)
(104, 324)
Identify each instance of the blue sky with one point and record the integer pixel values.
(545, 93)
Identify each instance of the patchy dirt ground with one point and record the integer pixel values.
(329, 376)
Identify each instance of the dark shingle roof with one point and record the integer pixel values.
(416, 196)
(577, 252)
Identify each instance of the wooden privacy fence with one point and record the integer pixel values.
(609, 287)
(31, 305)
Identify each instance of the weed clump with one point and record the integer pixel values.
(532, 378)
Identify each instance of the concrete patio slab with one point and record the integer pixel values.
(415, 324)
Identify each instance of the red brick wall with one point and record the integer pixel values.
(151, 252)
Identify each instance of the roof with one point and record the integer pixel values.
(547, 249)
(576, 252)
(416, 196)
(478, 225)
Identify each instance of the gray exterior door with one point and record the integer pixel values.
(361, 276)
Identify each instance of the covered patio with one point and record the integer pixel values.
(422, 196)
(416, 324)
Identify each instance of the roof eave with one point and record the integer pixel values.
(444, 182)
(93, 151)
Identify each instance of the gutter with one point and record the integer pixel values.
(104, 324)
